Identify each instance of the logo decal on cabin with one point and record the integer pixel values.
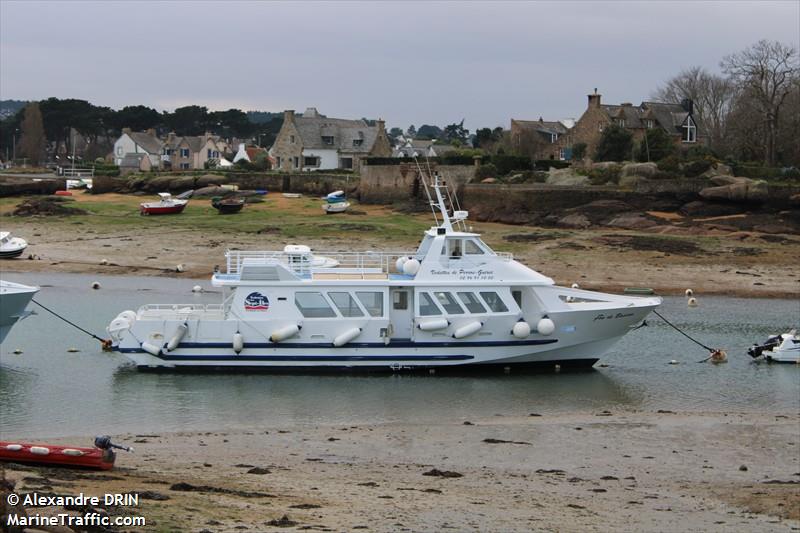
(255, 301)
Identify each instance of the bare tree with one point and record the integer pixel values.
(767, 73)
(711, 94)
(33, 139)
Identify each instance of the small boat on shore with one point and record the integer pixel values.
(100, 457)
(783, 348)
(229, 205)
(11, 246)
(14, 298)
(335, 202)
(166, 206)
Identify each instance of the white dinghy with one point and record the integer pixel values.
(11, 246)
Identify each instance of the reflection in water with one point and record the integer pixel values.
(48, 391)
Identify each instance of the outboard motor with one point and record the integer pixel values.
(104, 443)
(755, 351)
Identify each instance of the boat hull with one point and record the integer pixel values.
(14, 298)
(158, 210)
(45, 454)
(9, 254)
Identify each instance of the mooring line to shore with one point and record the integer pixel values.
(714, 351)
(104, 342)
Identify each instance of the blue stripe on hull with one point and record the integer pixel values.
(392, 344)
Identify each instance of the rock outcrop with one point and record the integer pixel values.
(736, 189)
(644, 170)
(566, 177)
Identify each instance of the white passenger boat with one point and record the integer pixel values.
(783, 348)
(453, 302)
(14, 297)
(11, 246)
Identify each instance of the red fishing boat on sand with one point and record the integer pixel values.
(101, 457)
(166, 206)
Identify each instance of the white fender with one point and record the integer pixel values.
(39, 450)
(545, 326)
(521, 330)
(72, 452)
(238, 342)
(284, 333)
(176, 339)
(152, 349)
(400, 262)
(467, 330)
(433, 324)
(14, 447)
(411, 267)
(117, 326)
(346, 337)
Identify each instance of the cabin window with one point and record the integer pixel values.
(313, 305)
(346, 304)
(327, 139)
(454, 245)
(400, 300)
(471, 302)
(494, 302)
(471, 248)
(372, 302)
(449, 303)
(517, 295)
(426, 305)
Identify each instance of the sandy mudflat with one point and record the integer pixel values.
(623, 471)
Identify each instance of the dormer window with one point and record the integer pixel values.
(621, 122)
(327, 139)
(689, 131)
(358, 142)
(648, 124)
(553, 137)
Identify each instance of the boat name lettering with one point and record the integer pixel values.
(463, 274)
(601, 316)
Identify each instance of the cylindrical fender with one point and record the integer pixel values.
(521, 330)
(238, 342)
(346, 337)
(286, 332)
(176, 339)
(39, 450)
(152, 349)
(467, 329)
(433, 324)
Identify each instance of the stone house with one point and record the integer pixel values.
(312, 141)
(539, 136)
(193, 152)
(678, 120)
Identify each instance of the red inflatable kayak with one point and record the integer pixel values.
(46, 454)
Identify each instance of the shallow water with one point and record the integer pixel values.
(47, 391)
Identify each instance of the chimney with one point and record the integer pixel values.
(126, 130)
(288, 115)
(311, 112)
(381, 125)
(594, 99)
(171, 137)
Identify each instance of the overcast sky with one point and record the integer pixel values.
(408, 62)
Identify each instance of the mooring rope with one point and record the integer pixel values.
(104, 342)
(676, 328)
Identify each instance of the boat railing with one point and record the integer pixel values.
(319, 262)
(183, 310)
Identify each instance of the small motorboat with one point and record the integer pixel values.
(335, 197)
(338, 207)
(783, 348)
(166, 206)
(229, 205)
(11, 246)
(100, 457)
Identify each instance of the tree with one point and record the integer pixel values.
(411, 131)
(616, 144)
(429, 132)
(488, 139)
(455, 133)
(188, 120)
(33, 138)
(136, 117)
(767, 72)
(712, 97)
(655, 145)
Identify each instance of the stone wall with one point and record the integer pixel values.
(384, 184)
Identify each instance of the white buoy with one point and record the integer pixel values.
(411, 267)
(176, 339)
(400, 262)
(545, 326)
(673, 362)
(152, 349)
(197, 288)
(95, 285)
(284, 333)
(73, 350)
(433, 324)
(576, 286)
(17, 351)
(346, 337)
(689, 293)
(238, 342)
(692, 302)
(467, 329)
(180, 268)
(104, 261)
(521, 330)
